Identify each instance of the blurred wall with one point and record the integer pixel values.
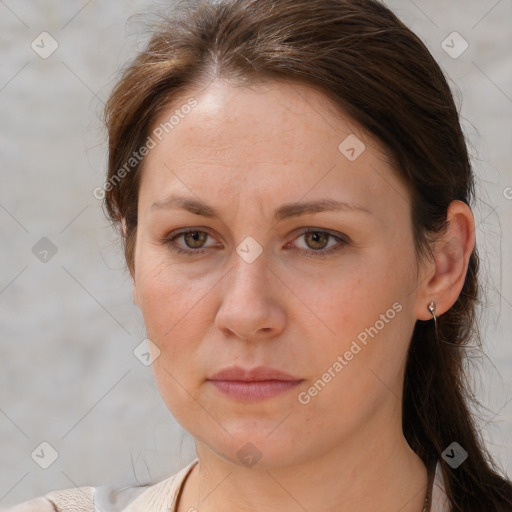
(68, 373)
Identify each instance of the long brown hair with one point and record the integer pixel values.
(362, 57)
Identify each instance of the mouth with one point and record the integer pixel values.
(253, 384)
(255, 390)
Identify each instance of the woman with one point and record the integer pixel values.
(293, 191)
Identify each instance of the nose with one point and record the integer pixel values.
(252, 304)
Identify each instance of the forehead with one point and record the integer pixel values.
(270, 138)
(275, 113)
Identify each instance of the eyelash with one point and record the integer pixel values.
(319, 254)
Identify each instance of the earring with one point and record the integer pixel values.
(432, 309)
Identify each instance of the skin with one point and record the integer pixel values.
(246, 151)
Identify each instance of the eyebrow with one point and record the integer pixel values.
(285, 211)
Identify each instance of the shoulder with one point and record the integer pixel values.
(161, 497)
(127, 499)
(40, 504)
(79, 499)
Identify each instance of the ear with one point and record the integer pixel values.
(444, 278)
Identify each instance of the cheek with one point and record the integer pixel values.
(158, 296)
(173, 315)
(177, 313)
(349, 299)
(367, 318)
(165, 293)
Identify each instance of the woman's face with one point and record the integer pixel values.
(335, 308)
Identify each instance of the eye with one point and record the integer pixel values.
(319, 239)
(194, 240)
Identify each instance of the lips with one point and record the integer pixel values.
(259, 373)
(253, 384)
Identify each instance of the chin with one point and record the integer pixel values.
(255, 448)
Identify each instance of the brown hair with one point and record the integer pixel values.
(358, 54)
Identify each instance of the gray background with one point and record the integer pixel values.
(68, 326)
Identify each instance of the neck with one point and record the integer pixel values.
(370, 472)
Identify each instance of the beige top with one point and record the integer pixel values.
(160, 497)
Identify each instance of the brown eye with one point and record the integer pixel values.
(316, 242)
(317, 239)
(192, 242)
(195, 239)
